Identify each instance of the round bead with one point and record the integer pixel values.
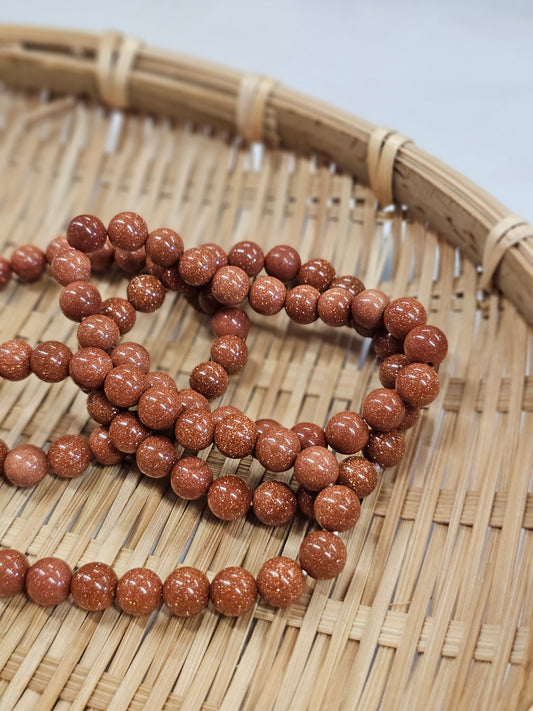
(186, 591)
(206, 300)
(410, 418)
(322, 555)
(5, 272)
(277, 448)
(130, 262)
(93, 586)
(383, 410)
(229, 497)
(231, 352)
(280, 581)
(129, 353)
(309, 435)
(301, 304)
(337, 508)
(171, 279)
(209, 379)
(71, 265)
(265, 424)
(221, 258)
(69, 456)
(3, 452)
(385, 448)
(334, 307)
(146, 293)
(15, 360)
(233, 591)
(348, 282)
(189, 399)
(154, 269)
(158, 407)
(346, 432)
(224, 411)
(230, 285)
(102, 449)
(318, 273)
(126, 432)
(25, 465)
(390, 368)
(102, 259)
(306, 501)
(121, 311)
(190, 478)
(55, 247)
(48, 581)
(426, 344)
(139, 592)
(283, 262)
(99, 407)
(359, 474)
(368, 307)
(89, 368)
(86, 233)
(403, 314)
(230, 322)
(248, 256)
(194, 429)
(155, 456)
(384, 345)
(98, 331)
(315, 468)
(80, 299)
(125, 384)
(267, 295)
(156, 378)
(50, 360)
(418, 384)
(127, 231)
(274, 503)
(28, 262)
(164, 246)
(197, 266)
(235, 436)
(13, 569)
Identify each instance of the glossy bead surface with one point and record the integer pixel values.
(69, 456)
(50, 360)
(346, 432)
(155, 456)
(231, 352)
(283, 262)
(129, 353)
(13, 569)
(277, 448)
(318, 273)
(334, 307)
(265, 424)
(164, 246)
(231, 322)
(189, 399)
(385, 448)
(359, 474)
(121, 311)
(418, 384)
(127, 231)
(102, 448)
(221, 258)
(99, 407)
(98, 331)
(126, 432)
(301, 304)
(190, 478)
(48, 581)
(383, 409)
(401, 315)
(410, 418)
(385, 345)
(235, 436)
(229, 497)
(315, 468)
(309, 434)
(306, 501)
(89, 368)
(15, 360)
(102, 259)
(146, 293)
(230, 285)
(71, 265)
(368, 307)
(274, 503)
(209, 379)
(139, 592)
(220, 413)
(124, 385)
(28, 263)
(86, 233)
(194, 429)
(337, 508)
(248, 256)
(233, 591)
(80, 299)
(426, 344)
(55, 247)
(390, 368)
(280, 581)
(197, 266)
(157, 378)
(130, 262)
(267, 295)
(322, 555)
(158, 407)
(348, 282)
(93, 586)
(186, 591)
(25, 465)
(5, 272)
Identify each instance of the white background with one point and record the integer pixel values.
(456, 77)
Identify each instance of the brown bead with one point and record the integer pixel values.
(71, 265)
(235, 436)
(265, 424)
(426, 344)
(274, 503)
(191, 400)
(334, 307)
(130, 262)
(139, 591)
(229, 497)
(301, 303)
(154, 269)
(277, 448)
(280, 581)
(384, 345)
(306, 501)
(410, 418)
(224, 411)
(126, 432)
(5, 272)
(322, 555)
(156, 378)
(121, 311)
(368, 307)
(93, 586)
(230, 285)
(359, 474)
(99, 407)
(231, 352)
(318, 273)
(164, 246)
(231, 322)
(127, 231)
(309, 435)
(50, 361)
(248, 256)
(146, 293)
(403, 314)
(3, 452)
(86, 233)
(190, 478)
(350, 283)
(89, 368)
(55, 247)
(98, 331)
(13, 569)
(48, 581)
(385, 448)
(25, 465)
(233, 591)
(390, 368)
(337, 508)
(171, 279)
(207, 301)
(346, 432)
(80, 299)
(125, 384)
(102, 448)
(383, 410)
(209, 379)
(315, 468)
(283, 262)
(197, 266)
(158, 407)
(221, 258)
(418, 384)
(15, 360)
(155, 456)
(69, 456)
(267, 295)
(28, 262)
(129, 353)
(194, 429)
(186, 591)
(102, 259)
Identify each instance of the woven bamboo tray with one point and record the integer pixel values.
(435, 607)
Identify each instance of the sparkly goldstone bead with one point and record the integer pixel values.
(186, 591)
(322, 555)
(229, 497)
(337, 508)
(93, 586)
(139, 592)
(274, 503)
(48, 581)
(280, 581)
(315, 468)
(233, 591)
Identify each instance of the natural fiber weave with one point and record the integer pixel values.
(435, 607)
